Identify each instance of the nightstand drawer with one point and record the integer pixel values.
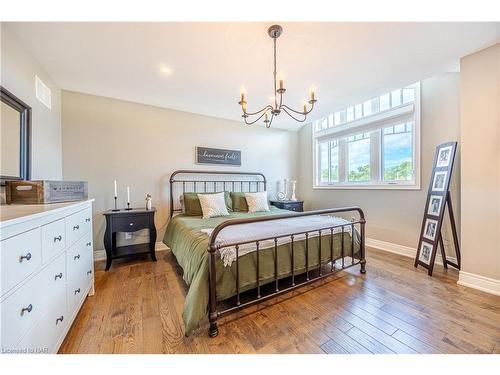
(297, 206)
(293, 207)
(130, 223)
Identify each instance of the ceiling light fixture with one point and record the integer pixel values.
(166, 69)
(270, 111)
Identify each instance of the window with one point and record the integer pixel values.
(373, 144)
(358, 154)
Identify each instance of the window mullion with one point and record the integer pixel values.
(375, 156)
(342, 160)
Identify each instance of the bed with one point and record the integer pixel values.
(234, 261)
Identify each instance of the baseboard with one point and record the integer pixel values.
(406, 251)
(482, 283)
(101, 253)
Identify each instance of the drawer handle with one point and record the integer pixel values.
(89, 272)
(77, 291)
(58, 238)
(28, 309)
(89, 243)
(60, 319)
(76, 227)
(58, 276)
(76, 257)
(27, 257)
(87, 220)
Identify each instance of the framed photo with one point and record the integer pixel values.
(430, 229)
(439, 182)
(444, 157)
(435, 202)
(425, 253)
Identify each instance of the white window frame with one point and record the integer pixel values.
(403, 113)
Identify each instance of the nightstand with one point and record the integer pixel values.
(297, 206)
(129, 221)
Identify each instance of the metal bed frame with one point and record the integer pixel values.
(258, 180)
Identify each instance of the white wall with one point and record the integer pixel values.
(141, 145)
(396, 215)
(480, 127)
(18, 70)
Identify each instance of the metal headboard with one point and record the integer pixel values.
(199, 181)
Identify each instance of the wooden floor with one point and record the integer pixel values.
(394, 308)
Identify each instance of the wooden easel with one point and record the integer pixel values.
(431, 235)
(455, 239)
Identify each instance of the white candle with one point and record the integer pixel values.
(115, 190)
(128, 194)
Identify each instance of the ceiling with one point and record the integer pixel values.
(211, 62)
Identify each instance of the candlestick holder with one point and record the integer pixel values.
(128, 207)
(116, 207)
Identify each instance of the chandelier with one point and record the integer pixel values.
(270, 111)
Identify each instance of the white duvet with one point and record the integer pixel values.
(274, 228)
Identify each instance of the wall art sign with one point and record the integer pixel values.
(206, 155)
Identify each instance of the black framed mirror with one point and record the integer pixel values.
(15, 138)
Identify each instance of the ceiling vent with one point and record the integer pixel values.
(43, 92)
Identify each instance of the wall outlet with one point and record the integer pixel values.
(128, 235)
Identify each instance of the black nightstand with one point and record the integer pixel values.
(297, 206)
(129, 221)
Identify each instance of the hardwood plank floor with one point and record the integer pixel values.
(394, 308)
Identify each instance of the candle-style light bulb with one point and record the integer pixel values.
(305, 107)
(281, 84)
(266, 117)
(242, 97)
(116, 192)
(312, 94)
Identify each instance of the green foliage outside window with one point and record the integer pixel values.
(400, 172)
(361, 174)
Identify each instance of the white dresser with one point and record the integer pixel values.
(47, 271)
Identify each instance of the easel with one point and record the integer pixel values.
(438, 197)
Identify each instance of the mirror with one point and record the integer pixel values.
(15, 134)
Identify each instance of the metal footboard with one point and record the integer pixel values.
(214, 313)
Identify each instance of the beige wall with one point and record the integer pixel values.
(140, 146)
(18, 70)
(480, 128)
(396, 215)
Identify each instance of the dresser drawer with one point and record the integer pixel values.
(45, 334)
(26, 305)
(77, 288)
(53, 239)
(87, 219)
(77, 225)
(20, 256)
(77, 256)
(130, 223)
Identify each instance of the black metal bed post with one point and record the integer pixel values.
(212, 314)
(362, 261)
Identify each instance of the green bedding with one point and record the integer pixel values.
(189, 245)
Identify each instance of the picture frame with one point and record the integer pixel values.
(435, 203)
(444, 157)
(439, 182)
(430, 229)
(425, 253)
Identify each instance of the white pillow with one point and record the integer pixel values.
(257, 201)
(213, 205)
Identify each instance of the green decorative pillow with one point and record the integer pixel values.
(192, 206)
(239, 202)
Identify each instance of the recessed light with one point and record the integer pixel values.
(166, 69)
